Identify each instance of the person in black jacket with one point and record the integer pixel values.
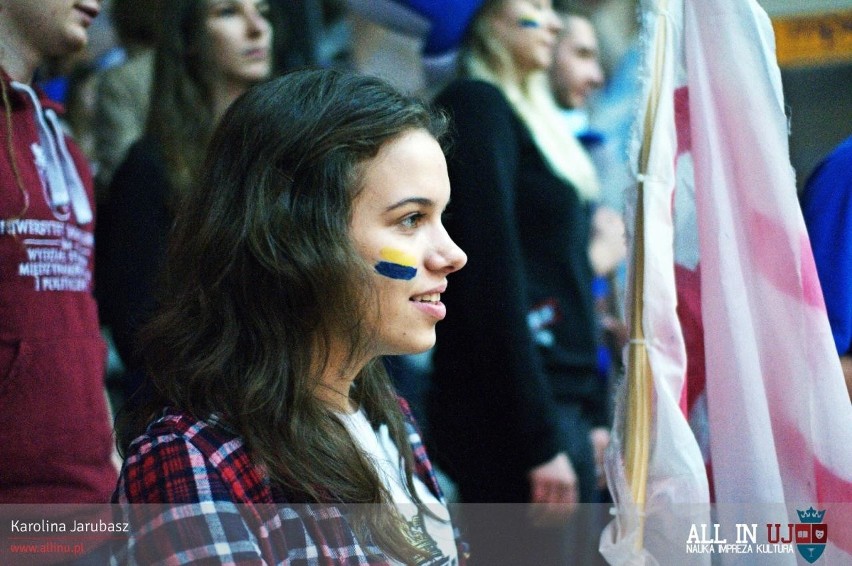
(516, 398)
(207, 54)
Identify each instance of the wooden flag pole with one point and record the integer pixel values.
(639, 379)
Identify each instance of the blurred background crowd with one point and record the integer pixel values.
(147, 91)
(106, 87)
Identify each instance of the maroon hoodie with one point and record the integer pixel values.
(55, 436)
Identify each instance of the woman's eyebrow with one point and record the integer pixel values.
(422, 201)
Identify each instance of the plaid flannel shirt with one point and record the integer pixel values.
(192, 494)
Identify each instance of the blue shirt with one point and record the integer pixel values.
(827, 208)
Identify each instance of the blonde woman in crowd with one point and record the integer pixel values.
(518, 410)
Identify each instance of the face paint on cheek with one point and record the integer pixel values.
(530, 19)
(396, 264)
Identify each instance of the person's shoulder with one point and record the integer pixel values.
(478, 110)
(830, 178)
(471, 85)
(842, 154)
(163, 464)
(142, 162)
(140, 62)
(137, 67)
(207, 435)
(471, 91)
(145, 147)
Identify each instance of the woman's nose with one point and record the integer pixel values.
(449, 257)
(257, 23)
(553, 22)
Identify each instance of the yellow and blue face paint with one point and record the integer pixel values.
(396, 264)
(530, 19)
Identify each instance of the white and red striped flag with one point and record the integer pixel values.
(734, 323)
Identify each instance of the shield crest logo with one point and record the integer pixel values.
(811, 534)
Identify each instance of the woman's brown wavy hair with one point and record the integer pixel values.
(262, 275)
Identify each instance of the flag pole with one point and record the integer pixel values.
(639, 380)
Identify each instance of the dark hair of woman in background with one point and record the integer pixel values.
(208, 52)
(198, 72)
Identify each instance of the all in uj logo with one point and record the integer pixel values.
(811, 534)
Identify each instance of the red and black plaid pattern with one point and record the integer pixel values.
(192, 493)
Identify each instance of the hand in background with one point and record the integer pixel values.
(554, 491)
(599, 438)
(607, 245)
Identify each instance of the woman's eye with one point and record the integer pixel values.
(224, 10)
(412, 220)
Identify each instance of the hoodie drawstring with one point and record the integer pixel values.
(64, 184)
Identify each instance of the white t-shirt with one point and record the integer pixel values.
(437, 536)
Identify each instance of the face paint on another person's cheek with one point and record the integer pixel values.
(396, 264)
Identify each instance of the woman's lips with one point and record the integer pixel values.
(435, 309)
(89, 12)
(258, 53)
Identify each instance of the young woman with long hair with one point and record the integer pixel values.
(516, 393)
(208, 52)
(311, 245)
